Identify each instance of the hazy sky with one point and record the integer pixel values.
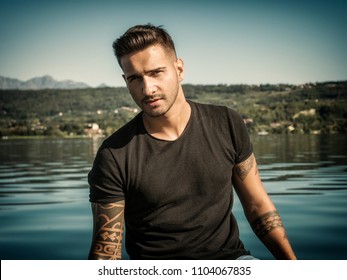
(229, 42)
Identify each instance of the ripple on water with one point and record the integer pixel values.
(45, 209)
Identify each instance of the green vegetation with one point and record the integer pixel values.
(310, 108)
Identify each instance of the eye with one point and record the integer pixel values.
(132, 78)
(156, 73)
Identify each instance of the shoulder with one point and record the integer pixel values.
(218, 112)
(110, 156)
(225, 124)
(125, 134)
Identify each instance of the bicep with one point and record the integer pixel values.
(108, 230)
(250, 190)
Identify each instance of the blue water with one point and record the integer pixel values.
(45, 213)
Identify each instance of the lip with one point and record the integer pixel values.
(153, 102)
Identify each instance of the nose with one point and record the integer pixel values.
(149, 87)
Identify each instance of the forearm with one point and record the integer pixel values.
(270, 230)
(107, 231)
(103, 250)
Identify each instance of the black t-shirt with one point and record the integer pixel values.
(178, 194)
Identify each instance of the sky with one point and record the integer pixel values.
(221, 42)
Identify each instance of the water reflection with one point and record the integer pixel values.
(45, 213)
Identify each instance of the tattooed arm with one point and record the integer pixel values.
(107, 231)
(259, 209)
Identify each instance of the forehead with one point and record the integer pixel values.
(150, 57)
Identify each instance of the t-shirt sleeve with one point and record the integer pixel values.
(243, 144)
(105, 183)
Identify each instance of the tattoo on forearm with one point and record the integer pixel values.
(266, 223)
(109, 230)
(242, 169)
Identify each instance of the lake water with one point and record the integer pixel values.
(45, 213)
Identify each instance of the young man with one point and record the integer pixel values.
(168, 173)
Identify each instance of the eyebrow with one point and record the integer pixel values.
(146, 72)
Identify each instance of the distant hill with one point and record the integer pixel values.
(39, 83)
(319, 108)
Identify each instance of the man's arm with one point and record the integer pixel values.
(108, 220)
(259, 209)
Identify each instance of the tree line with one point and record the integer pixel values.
(309, 108)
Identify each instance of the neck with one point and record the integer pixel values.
(171, 125)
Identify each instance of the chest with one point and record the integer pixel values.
(191, 170)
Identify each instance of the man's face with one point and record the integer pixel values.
(153, 78)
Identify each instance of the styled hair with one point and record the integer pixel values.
(140, 37)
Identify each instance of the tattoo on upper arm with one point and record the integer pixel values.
(242, 169)
(108, 230)
(266, 223)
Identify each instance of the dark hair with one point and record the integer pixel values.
(139, 37)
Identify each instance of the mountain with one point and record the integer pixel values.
(44, 82)
(103, 85)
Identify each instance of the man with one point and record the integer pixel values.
(168, 173)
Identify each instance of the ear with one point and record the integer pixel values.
(180, 69)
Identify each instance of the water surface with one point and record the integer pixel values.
(45, 213)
